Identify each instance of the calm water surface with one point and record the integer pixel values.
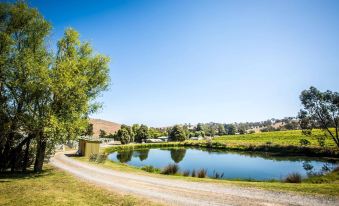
(233, 165)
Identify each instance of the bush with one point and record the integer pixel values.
(293, 178)
(193, 173)
(321, 141)
(202, 173)
(186, 173)
(304, 142)
(92, 157)
(216, 175)
(170, 169)
(150, 169)
(101, 158)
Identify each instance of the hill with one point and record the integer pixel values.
(99, 124)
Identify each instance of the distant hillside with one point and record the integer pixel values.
(99, 124)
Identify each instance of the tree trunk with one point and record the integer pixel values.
(40, 155)
(26, 157)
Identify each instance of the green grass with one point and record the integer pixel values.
(54, 187)
(290, 138)
(327, 185)
(278, 142)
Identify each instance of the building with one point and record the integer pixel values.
(88, 147)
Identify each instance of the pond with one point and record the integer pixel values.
(232, 165)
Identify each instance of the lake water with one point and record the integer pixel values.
(233, 165)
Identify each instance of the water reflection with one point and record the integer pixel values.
(125, 156)
(231, 164)
(178, 154)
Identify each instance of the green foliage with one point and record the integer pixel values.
(170, 169)
(293, 178)
(101, 158)
(102, 134)
(142, 133)
(201, 173)
(150, 169)
(177, 133)
(45, 98)
(321, 110)
(124, 136)
(193, 173)
(304, 142)
(186, 173)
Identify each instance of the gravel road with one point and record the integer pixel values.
(181, 192)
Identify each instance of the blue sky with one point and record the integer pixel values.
(205, 60)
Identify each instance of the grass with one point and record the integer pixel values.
(327, 185)
(278, 142)
(287, 138)
(54, 187)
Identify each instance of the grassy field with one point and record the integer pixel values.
(54, 187)
(323, 185)
(290, 137)
(278, 142)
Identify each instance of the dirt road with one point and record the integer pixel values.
(180, 192)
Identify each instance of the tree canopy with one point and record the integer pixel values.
(45, 98)
(321, 110)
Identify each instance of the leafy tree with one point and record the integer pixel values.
(45, 98)
(124, 136)
(102, 134)
(321, 110)
(221, 129)
(89, 131)
(231, 129)
(142, 133)
(177, 133)
(130, 132)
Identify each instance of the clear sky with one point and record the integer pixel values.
(205, 60)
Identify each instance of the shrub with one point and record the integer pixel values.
(193, 173)
(321, 141)
(293, 178)
(216, 175)
(202, 173)
(186, 173)
(170, 169)
(150, 169)
(92, 157)
(304, 142)
(101, 158)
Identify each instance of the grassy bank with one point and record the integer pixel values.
(322, 185)
(54, 187)
(278, 143)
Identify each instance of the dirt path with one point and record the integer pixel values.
(180, 192)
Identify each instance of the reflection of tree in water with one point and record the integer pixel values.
(309, 168)
(124, 156)
(178, 154)
(143, 154)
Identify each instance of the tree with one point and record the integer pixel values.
(177, 133)
(142, 133)
(321, 110)
(45, 98)
(221, 130)
(231, 129)
(124, 136)
(102, 134)
(89, 131)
